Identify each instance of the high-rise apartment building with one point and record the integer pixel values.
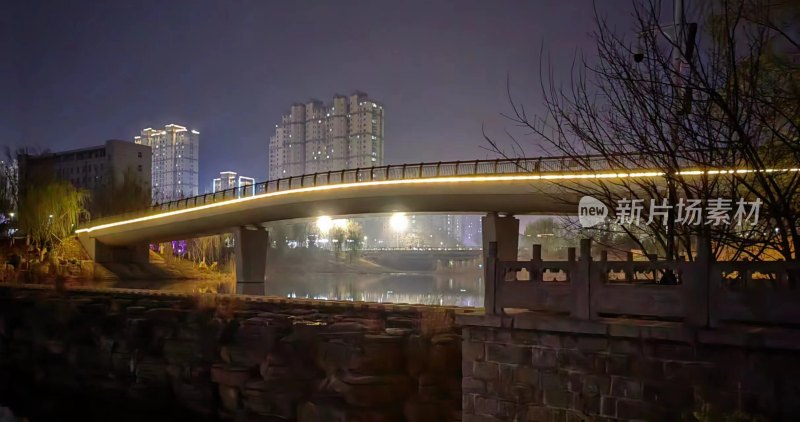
(175, 171)
(313, 137)
(230, 179)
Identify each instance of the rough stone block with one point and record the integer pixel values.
(513, 354)
(468, 403)
(632, 410)
(623, 346)
(550, 340)
(485, 406)
(626, 387)
(595, 385)
(674, 351)
(608, 406)
(527, 375)
(472, 385)
(525, 337)
(575, 360)
(472, 351)
(485, 370)
(593, 344)
(647, 369)
(668, 394)
(618, 365)
(526, 394)
(506, 373)
(587, 405)
(554, 385)
(543, 358)
(540, 414)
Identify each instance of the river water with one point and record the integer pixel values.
(428, 288)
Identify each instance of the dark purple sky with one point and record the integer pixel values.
(76, 73)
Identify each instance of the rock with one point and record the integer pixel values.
(181, 351)
(379, 354)
(262, 399)
(165, 314)
(416, 410)
(242, 355)
(230, 375)
(332, 410)
(151, 372)
(368, 391)
(229, 396)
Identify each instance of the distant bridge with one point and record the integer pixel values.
(523, 186)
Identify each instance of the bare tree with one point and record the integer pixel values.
(713, 108)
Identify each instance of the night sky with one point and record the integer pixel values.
(75, 73)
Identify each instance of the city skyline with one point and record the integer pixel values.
(439, 100)
(315, 137)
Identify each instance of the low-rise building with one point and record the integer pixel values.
(98, 169)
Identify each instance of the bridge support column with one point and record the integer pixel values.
(250, 246)
(505, 232)
(107, 254)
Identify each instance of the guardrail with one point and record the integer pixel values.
(390, 172)
(703, 293)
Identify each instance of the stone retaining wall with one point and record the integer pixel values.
(118, 355)
(536, 368)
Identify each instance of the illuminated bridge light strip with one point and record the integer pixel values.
(432, 180)
(435, 180)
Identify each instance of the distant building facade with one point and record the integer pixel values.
(314, 137)
(175, 158)
(92, 169)
(230, 180)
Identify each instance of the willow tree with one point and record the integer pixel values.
(719, 95)
(49, 212)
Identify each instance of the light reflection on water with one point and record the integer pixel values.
(463, 289)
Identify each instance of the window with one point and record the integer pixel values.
(139, 167)
(139, 155)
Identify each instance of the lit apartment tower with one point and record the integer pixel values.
(313, 137)
(175, 161)
(229, 180)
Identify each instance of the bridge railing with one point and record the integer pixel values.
(702, 293)
(387, 173)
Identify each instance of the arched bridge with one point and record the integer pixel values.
(523, 186)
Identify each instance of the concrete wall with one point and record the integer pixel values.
(555, 369)
(132, 355)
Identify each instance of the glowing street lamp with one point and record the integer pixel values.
(398, 222)
(324, 224)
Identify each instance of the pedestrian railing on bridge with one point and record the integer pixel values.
(388, 173)
(702, 293)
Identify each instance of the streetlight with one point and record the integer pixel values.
(399, 224)
(324, 224)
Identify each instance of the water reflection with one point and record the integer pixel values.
(463, 289)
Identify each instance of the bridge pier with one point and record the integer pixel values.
(250, 247)
(108, 254)
(503, 232)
